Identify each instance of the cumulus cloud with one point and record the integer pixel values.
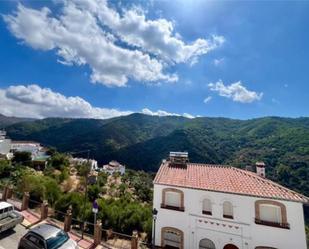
(207, 99)
(36, 102)
(162, 113)
(88, 32)
(235, 91)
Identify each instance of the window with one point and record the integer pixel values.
(172, 199)
(207, 207)
(206, 244)
(230, 246)
(58, 240)
(271, 213)
(227, 210)
(171, 238)
(38, 243)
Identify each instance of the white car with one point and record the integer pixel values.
(46, 236)
(9, 218)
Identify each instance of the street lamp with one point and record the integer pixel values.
(154, 217)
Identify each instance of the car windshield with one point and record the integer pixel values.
(56, 241)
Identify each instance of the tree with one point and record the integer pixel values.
(83, 169)
(102, 179)
(75, 200)
(93, 192)
(40, 187)
(5, 168)
(52, 190)
(59, 161)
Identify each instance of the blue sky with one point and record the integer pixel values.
(231, 59)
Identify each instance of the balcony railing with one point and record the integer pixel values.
(272, 224)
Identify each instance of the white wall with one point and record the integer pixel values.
(241, 231)
(5, 146)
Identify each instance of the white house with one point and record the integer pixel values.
(78, 161)
(5, 147)
(38, 152)
(28, 146)
(114, 167)
(213, 206)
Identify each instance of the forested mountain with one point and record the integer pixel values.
(142, 141)
(5, 121)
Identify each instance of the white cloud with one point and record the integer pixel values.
(162, 113)
(154, 36)
(207, 99)
(88, 32)
(36, 102)
(235, 91)
(218, 62)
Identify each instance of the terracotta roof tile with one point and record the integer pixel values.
(226, 179)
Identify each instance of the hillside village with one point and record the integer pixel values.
(154, 124)
(126, 199)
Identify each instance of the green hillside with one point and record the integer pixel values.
(142, 141)
(5, 121)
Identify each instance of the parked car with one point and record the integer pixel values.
(46, 236)
(9, 218)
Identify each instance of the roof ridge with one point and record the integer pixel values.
(212, 165)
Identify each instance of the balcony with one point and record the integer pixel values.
(272, 224)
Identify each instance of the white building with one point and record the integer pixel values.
(5, 147)
(212, 206)
(114, 167)
(38, 152)
(26, 146)
(78, 161)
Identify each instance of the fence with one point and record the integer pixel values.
(93, 233)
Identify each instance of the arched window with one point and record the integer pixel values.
(206, 244)
(207, 209)
(227, 210)
(171, 238)
(172, 199)
(230, 246)
(271, 213)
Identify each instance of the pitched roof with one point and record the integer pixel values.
(227, 179)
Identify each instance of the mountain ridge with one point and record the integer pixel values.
(142, 141)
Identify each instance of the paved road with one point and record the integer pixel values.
(9, 239)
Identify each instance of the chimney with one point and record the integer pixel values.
(179, 159)
(260, 169)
